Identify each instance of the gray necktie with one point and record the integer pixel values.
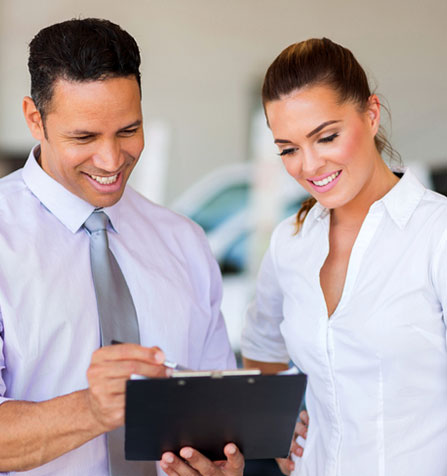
(118, 321)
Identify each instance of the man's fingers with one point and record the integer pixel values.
(196, 463)
(122, 369)
(150, 355)
(128, 367)
(121, 361)
(234, 457)
(109, 369)
(174, 466)
(196, 460)
(234, 465)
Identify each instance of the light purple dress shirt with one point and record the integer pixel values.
(48, 316)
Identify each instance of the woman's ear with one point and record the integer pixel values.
(373, 113)
(33, 119)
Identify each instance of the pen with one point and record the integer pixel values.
(166, 363)
(174, 365)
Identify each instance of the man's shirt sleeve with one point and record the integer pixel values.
(217, 353)
(2, 364)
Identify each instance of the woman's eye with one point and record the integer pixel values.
(287, 152)
(328, 138)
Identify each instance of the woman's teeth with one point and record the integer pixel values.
(105, 180)
(326, 180)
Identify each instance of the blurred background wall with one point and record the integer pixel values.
(203, 62)
(202, 67)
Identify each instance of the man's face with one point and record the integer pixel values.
(94, 137)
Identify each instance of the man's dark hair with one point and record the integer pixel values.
(79, 50)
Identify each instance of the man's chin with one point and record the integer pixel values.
(100, 200)
(105, 201)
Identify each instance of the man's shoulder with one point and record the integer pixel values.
(10, 187)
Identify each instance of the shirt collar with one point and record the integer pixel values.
(316, 214)
(400, 202)
(68, 208)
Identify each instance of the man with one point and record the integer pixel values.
(62, 384)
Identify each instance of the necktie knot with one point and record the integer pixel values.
(97, 221)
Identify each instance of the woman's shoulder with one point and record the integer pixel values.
(290, 240)
(435, 198)
(412, 203)
(289, 229)
(286, 230)
(433, 206)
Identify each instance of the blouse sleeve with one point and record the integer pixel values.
(261, 338)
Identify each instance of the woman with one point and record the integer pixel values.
(353, 289)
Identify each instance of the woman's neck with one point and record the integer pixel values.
(353, 213)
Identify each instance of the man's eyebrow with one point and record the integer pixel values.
(83, 132)
(320, 127)
(130, 126)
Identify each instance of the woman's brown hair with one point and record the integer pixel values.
(317, 62)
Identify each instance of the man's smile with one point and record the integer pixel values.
(105, 180)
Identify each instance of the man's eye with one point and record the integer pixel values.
(129, 132)
(287, 152)
(328, 138)
(83, 138)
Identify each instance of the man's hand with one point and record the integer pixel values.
(109, 369)
(194, 463)
(286, 465)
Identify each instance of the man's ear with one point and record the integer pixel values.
(33, 119)
(373, 113)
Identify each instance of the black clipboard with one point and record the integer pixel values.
(256, 412)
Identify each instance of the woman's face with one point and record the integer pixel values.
(326, 146)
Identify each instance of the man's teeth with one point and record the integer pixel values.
(326, 180)
(105, 180)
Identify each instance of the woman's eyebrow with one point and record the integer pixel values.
(311, 133)
(320, 127)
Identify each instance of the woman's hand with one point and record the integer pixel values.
(286, 465)
(194, 463)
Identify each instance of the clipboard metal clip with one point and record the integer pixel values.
(215, 373)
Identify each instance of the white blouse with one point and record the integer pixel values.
(377, 388)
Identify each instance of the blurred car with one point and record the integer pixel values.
(222, 204)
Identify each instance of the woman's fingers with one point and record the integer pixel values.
(304, 417)
(286, 465)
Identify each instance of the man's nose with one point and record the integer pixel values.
(108, 156)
